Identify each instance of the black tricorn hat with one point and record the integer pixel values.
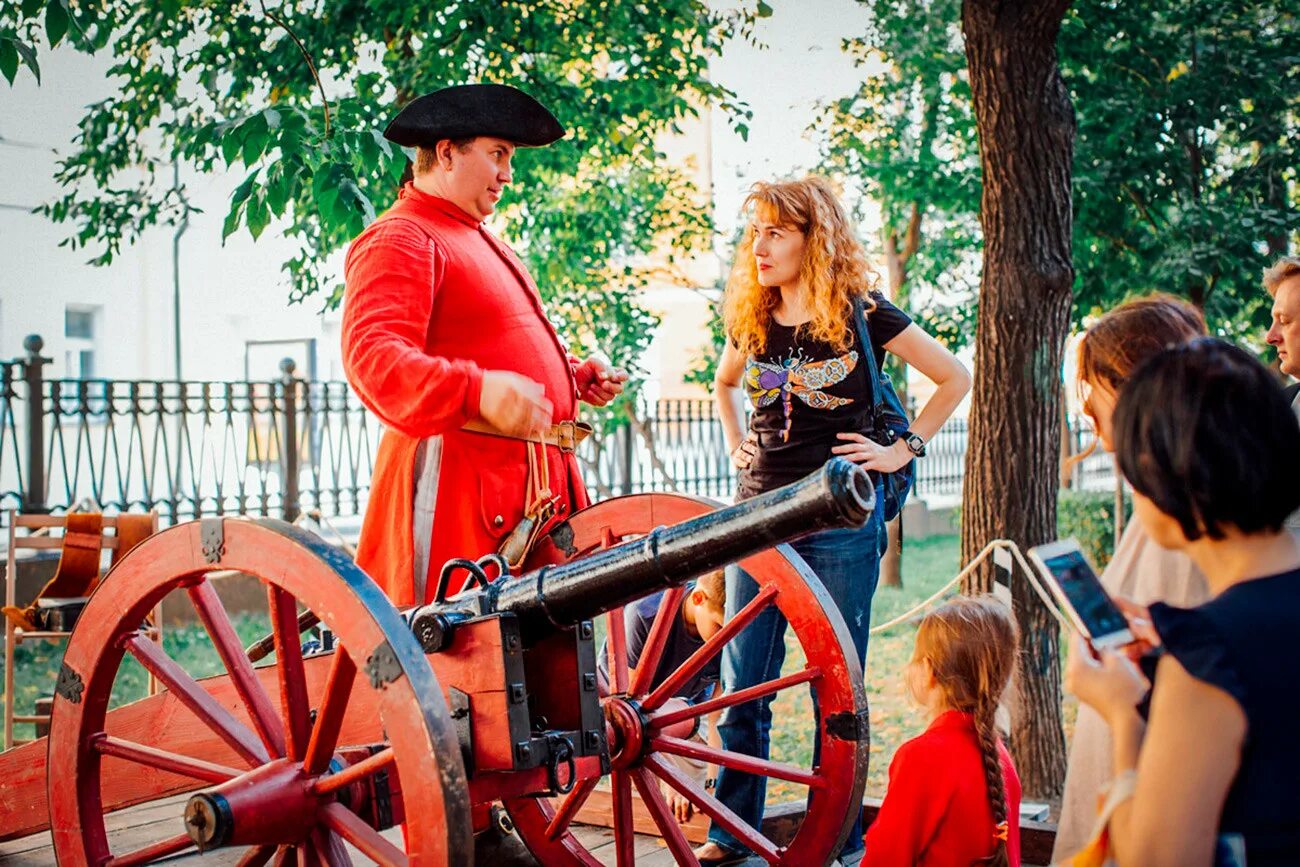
(469, 110)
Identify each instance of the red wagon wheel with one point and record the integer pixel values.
(270, 743)
(644, 725)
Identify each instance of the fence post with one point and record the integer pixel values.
(625, 458)
(33, 371)
(289, 444)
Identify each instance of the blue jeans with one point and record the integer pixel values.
(848, 564)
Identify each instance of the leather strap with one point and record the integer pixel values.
(564, 435)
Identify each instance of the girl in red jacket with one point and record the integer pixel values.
(954, 796)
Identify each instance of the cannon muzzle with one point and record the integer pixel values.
(838, 495)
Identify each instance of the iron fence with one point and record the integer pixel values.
(192, 449)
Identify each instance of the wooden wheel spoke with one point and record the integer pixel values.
(330, 848)
(569, 807)
(692, 666)
(664, 819)
(289, 667)
(737, 761)
(163, 760)
(770, 687)
(352, 773)
(285, 856)
(665, 618)
(368, 841)
(617, 651)
(189, 693)
(203, 596)
(257, 856)
(720, 813)
(329, 718)
(624, 830)
(153, 852)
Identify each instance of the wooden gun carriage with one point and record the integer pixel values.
(416, 719)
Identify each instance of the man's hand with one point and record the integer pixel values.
(514, 404)
(682, 808)
(598, 383)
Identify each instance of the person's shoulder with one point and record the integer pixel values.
(883, 311)
(1292, 391)
(645, 609)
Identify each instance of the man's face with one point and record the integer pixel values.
(1285, 332)
(479, 175)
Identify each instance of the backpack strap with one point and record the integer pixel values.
(864, 337)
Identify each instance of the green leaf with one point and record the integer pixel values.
(231, 222)
(56, 22)
(8, 59)
(764, 10)
(257, 216)
(31, 7)
(245, 188)
(28, 55)
(230, 143)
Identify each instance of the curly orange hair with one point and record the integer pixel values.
(834, 268)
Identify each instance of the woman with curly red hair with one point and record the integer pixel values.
(792, 310)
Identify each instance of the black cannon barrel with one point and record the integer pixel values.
(840, 494)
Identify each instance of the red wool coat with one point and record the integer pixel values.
(936, 810)
(433, 300)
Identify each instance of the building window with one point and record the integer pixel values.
(79, 342)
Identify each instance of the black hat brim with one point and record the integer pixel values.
(472, 110)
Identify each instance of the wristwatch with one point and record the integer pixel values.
(915, 444)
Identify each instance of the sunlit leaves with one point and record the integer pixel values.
(222, 87)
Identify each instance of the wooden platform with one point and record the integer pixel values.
(138, 826)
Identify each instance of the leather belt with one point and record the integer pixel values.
(564, 435)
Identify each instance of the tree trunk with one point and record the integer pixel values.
(1026, 135)
(896, 262)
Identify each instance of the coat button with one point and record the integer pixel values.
(498, 521)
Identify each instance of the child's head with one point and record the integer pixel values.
(1209, 444)
(708, 599)
(964, 658)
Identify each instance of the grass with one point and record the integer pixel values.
(37, 664)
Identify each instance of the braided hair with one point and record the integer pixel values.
(970, 645)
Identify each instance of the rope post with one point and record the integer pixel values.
(34, 497)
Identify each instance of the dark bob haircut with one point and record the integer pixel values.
(1203, 431)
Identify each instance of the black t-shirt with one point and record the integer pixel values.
(804, 392)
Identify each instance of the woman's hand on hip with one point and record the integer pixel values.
(872, 455)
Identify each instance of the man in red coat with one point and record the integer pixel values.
(445, 339)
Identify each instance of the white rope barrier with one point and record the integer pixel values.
(996, 545)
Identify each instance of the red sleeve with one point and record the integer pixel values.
(914, 807)
(392, 273)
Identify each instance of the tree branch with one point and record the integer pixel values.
(305, 56)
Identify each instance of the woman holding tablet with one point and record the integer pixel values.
(1141, 571)
(1212, 451)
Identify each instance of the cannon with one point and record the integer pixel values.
(417, 718)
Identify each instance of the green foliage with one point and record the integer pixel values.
(224, 87)
(1188, 140)
(1089, 516)
(37, 663)
(1185, 161)
(905, 140)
